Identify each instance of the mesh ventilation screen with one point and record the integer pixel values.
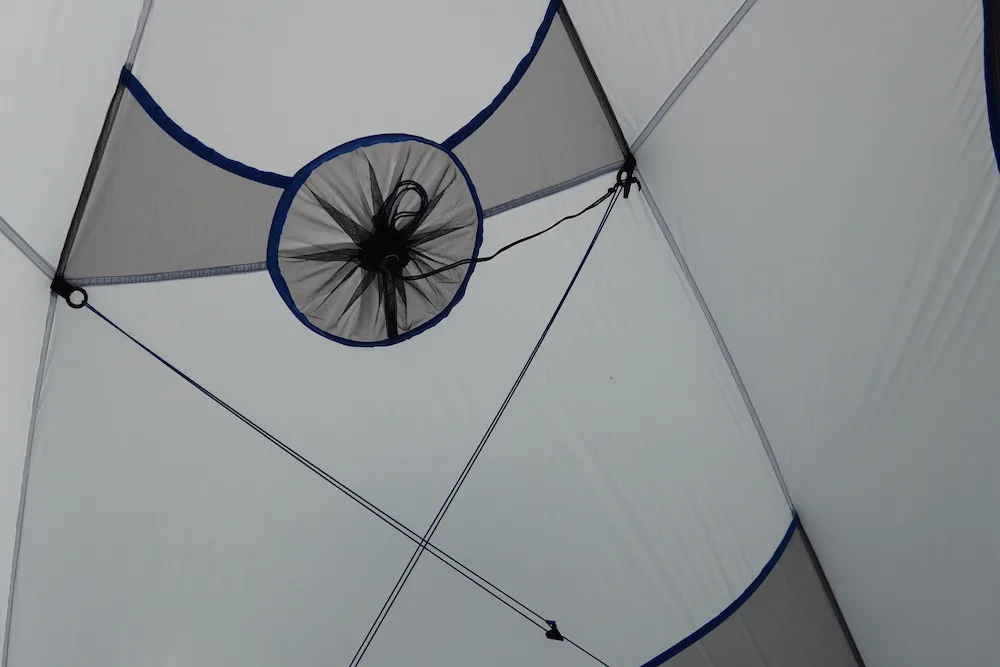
(359, 223)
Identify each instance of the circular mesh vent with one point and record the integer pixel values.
(357, 231)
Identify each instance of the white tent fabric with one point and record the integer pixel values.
(59, 66)
(185, 531)
(808, 269)
(658, 428)
(843, 228)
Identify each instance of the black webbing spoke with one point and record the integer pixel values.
(613, 193)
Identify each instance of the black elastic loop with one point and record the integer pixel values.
(67, 291)
(626, 176)
(479, 260)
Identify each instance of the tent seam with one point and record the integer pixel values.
(183, 274)
(102, 141)
(552, 189)
(693, 72)
(253, 267)
(679, 256)
(22, 500)
(26, 249)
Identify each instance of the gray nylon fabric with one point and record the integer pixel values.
(156, 207)
(322, 258)
(550, 129)
(787, 622)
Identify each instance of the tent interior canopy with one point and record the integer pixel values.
(567, 333)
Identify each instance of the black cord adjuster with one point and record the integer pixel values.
(626, 175)
(553, 632)
(76, 297)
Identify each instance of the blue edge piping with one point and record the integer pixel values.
(993, 112)
(700, 633)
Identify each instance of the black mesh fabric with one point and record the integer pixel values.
(361, 225)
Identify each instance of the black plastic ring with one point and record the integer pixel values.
(82, 303)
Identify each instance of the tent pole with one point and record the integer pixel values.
(718, 338)
(39, 377)
(102, 141)
(692, 73)
(26, 249)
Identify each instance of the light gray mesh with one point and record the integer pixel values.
(787, 622)
(363, 226)
(549, 130)
(157, 207)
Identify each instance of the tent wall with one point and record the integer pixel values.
(59, 66)
(23, 301)
(624, 493)
(834, 191)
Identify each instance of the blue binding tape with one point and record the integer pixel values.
(160, 117)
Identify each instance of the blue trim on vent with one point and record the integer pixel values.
(522, 67)
(160, 117)
(992, 94)
(700, 633)
(281, 212)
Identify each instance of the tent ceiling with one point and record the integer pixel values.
(827, 175)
